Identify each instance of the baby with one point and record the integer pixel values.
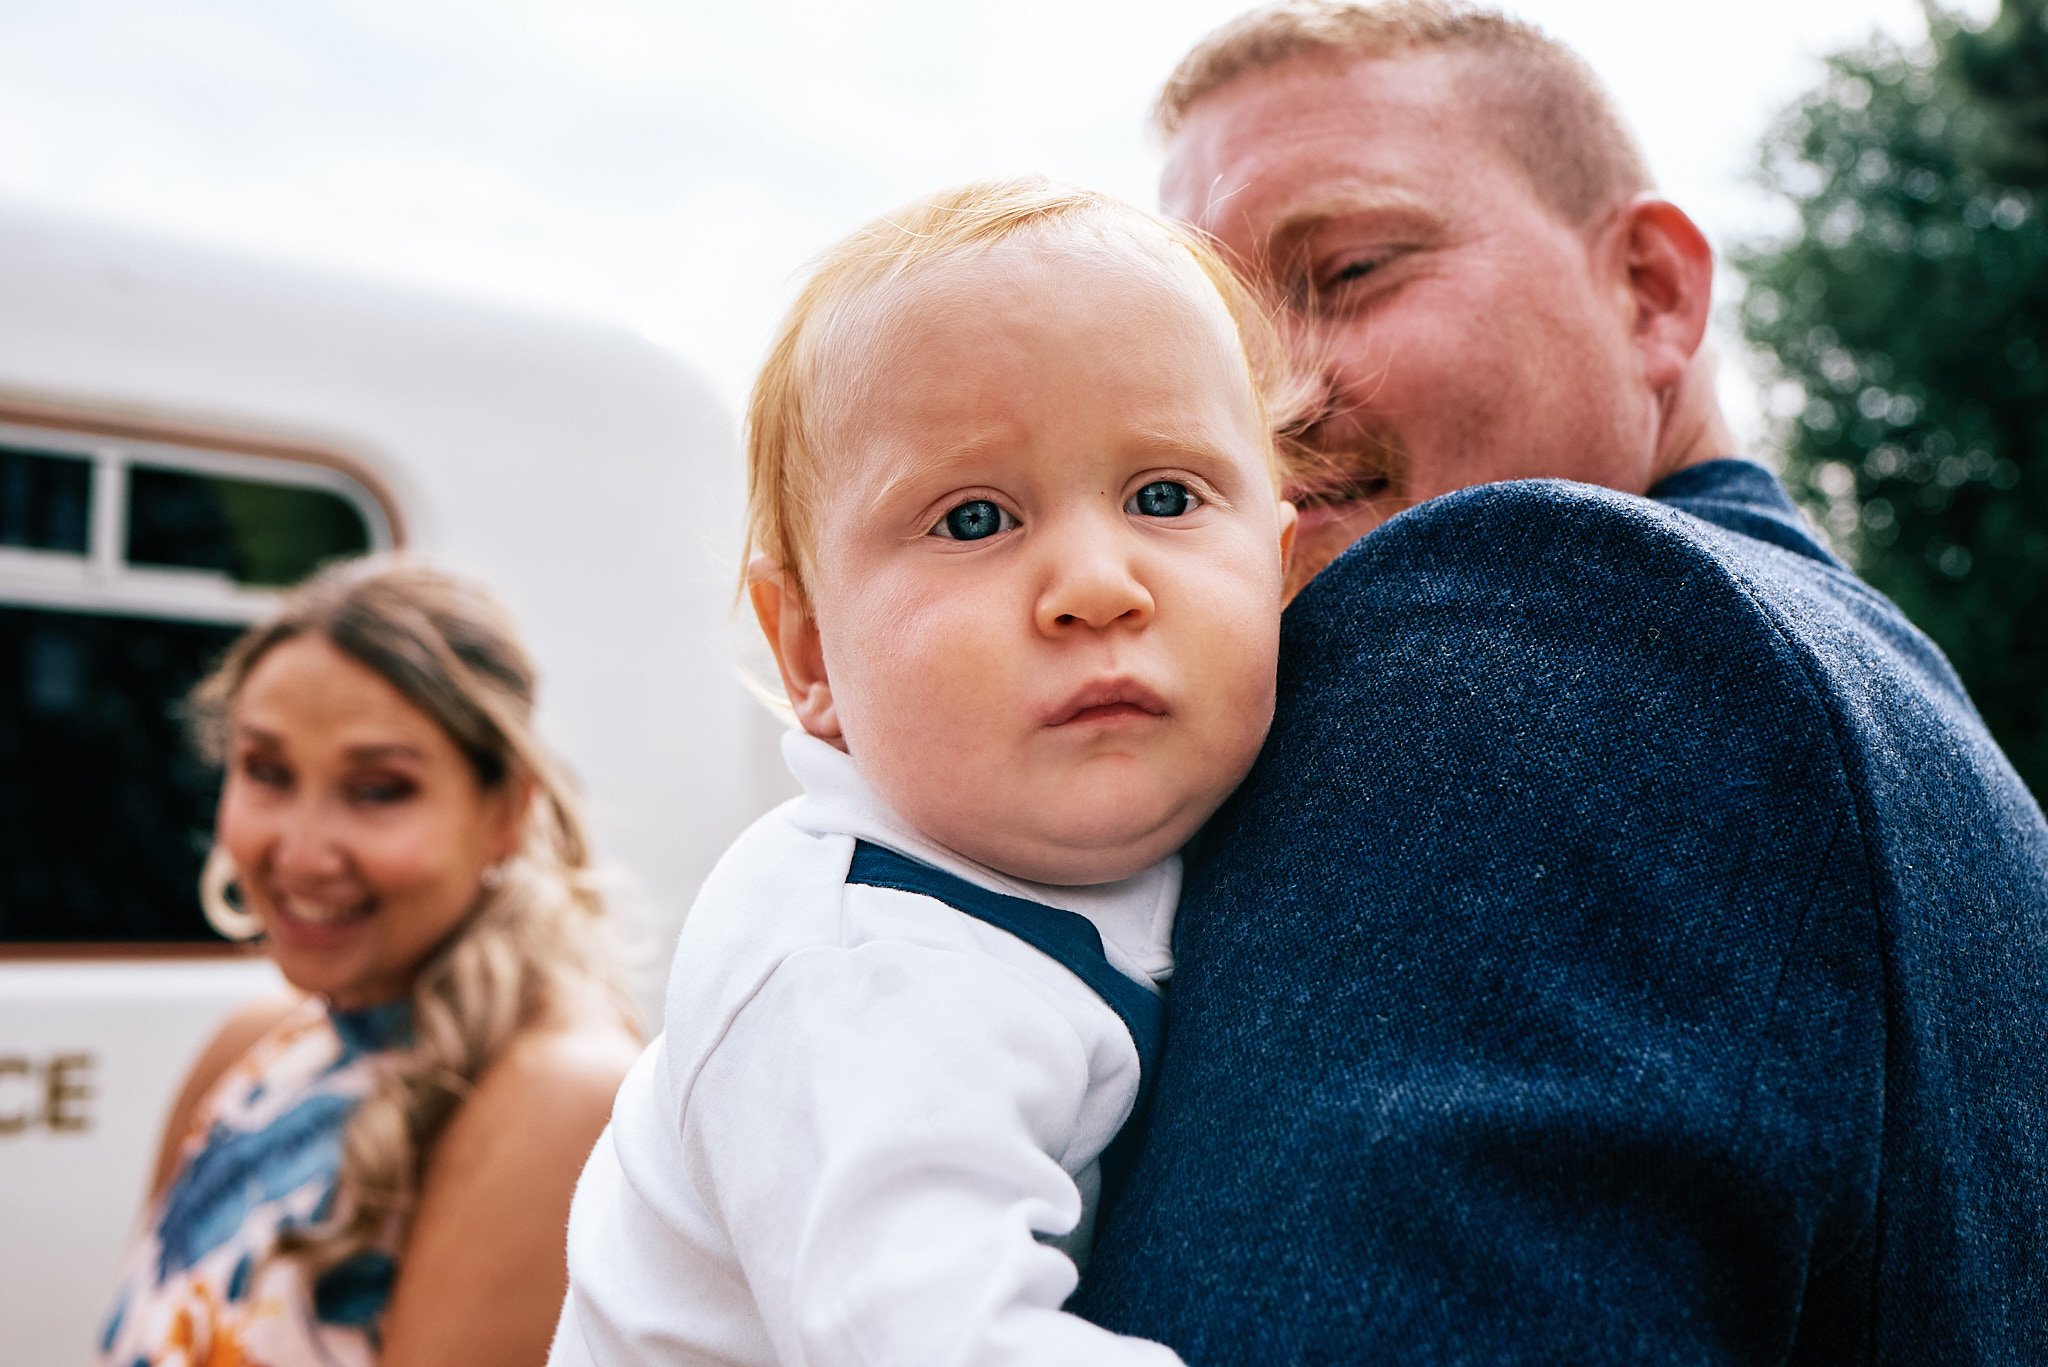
(1020, 560)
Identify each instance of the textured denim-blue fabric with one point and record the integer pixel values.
(1629, 948)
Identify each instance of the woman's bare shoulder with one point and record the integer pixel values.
(252, 1020)
(483, 1271)
(582, 1054)
(567, 1065)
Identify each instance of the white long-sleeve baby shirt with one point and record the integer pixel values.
(870, 1130)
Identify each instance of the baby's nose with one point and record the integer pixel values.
(1092, 584)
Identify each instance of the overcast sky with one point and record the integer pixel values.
(670, 164)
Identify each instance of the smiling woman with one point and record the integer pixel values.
(359, 828)
(348, 1174)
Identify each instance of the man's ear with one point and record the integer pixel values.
(799, 655)
(1668, 282)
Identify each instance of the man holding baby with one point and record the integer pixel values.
(1630, 945)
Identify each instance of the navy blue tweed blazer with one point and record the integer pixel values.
(1629, 948)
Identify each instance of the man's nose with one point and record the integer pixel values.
(1092, 581)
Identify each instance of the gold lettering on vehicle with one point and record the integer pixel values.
(12, 1121)
(53, 1093)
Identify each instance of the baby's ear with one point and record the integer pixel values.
(1290, 520)
(792, 633)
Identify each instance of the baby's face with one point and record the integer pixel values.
(1049, 576)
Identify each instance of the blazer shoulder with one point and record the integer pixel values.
(1568, 644)
(1586, 536)
(1522, 566)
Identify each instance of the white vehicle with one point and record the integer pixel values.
(183, 432)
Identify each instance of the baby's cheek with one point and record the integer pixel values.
(932, 778)
(1250, 694)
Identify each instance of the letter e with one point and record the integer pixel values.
(68, 1084)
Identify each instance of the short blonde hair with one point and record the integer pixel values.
(788, 427)
(1544, 104)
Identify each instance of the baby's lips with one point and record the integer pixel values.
(1108, 693)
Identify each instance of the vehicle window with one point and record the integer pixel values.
(257, 533)
(126, 568)
(43, 500)
(104, 808)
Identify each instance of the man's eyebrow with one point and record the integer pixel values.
(1340, 201)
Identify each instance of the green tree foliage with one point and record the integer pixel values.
(1908, 321)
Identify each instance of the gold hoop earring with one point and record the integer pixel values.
(215, 880)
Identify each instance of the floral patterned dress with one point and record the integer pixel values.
(262, 1155)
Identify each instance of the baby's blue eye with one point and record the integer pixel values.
(1161, 498)
(974, 520)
